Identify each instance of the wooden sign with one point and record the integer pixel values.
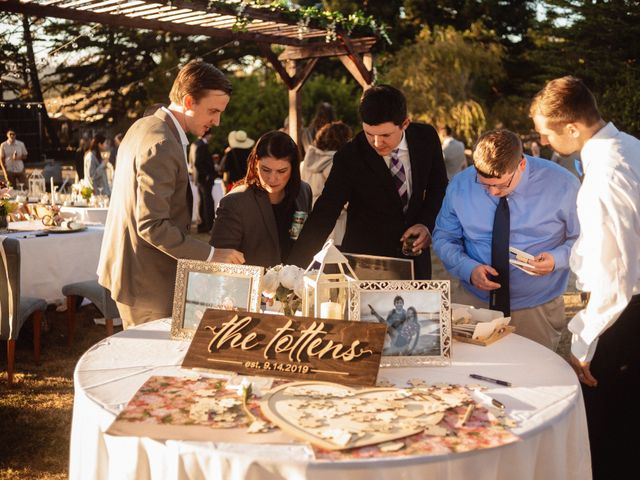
(286, 346)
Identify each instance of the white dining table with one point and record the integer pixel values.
(545, 400)
(86, 214)
(53, 260)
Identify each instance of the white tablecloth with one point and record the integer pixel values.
(545, 398)
(48, 263)
(86, 214)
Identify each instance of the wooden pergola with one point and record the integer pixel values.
(304, 44)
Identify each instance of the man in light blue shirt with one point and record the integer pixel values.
(541, 197)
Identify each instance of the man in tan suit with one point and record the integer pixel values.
(150, 214)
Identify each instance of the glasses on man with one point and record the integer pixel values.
(497, 186)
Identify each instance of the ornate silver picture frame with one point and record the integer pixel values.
(202, 285)
(418, 318)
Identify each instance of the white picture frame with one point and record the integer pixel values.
(419, 333)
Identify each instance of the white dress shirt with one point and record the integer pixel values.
(6, 155)
(606, 256)
(185, 143)
(403, 156)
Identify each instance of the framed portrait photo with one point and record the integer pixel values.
(417, 314)
(372, 267)
(202, 285)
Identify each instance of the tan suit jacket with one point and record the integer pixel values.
(149, 217)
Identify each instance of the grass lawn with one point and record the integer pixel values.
(35, 413)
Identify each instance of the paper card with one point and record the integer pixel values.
(484, 321)
(520, 254)
(519, 265)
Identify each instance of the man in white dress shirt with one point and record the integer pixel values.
(606, 259)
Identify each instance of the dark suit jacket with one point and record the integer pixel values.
(375, 221)
(204, 164)
(245, 221)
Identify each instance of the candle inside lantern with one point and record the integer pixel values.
(331, 310)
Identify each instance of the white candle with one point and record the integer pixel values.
(77, 178)
(332, 310)
(53, 192)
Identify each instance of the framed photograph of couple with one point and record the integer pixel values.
(417, 314)
(202, 285)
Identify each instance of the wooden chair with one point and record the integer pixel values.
(98, 295)
(14, 309)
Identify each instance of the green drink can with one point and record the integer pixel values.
(299, 217)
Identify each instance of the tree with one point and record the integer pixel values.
(446, 74)
(259, 103)
(596, 41)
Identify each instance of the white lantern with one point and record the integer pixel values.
(37, 185)
(327, 290)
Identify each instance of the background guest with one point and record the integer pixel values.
(13, 153)
(318, 162)
(256, 217)
(453, 151)
(95, 167)
(113, 152)
(205, 175)
(325, 114)
(234, 162)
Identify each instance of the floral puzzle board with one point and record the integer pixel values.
(204, 409)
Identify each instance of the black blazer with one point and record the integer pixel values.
(205, 169)
(245, 221)
(375, 221)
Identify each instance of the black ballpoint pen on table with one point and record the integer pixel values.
(492, 380)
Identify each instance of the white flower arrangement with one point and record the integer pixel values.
(284, 283)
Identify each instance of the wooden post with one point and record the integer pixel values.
(295, 105)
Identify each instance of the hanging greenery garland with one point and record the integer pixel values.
(304, 17)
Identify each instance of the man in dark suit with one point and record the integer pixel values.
(205, 175)
(393, 177)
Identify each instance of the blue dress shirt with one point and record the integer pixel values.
(543, 219)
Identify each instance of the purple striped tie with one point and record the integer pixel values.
(400, 179)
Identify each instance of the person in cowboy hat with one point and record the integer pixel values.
(234, 163)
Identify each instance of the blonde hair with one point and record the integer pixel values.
(497, 152)
(565, 100)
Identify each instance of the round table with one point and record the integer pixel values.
(86, 214)
(49, 262)
(545, 399)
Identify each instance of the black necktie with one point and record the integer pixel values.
(499, 298)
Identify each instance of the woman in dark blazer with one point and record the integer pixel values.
(256, 217)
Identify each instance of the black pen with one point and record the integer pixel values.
(33, 235)
(492, 380)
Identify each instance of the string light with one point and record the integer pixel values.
(27, 105)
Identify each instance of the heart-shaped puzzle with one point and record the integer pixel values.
(336, 417)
